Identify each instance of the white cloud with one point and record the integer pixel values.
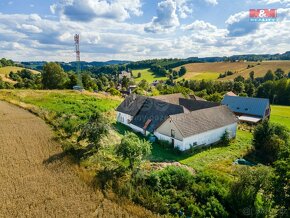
(239, 24)
(88, 10)
(166, 19)
(212, 2)
(53, 8)
(43, 38)
(30, 28)
(184, 8)
(268, 2)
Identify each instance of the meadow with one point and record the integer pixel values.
(4, 72)
(280, 115)
(211, 71)
(148, 75)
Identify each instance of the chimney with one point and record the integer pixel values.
(134, 96)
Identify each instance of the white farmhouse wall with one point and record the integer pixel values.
(124, 118)
(177, 143)
(138, 129)
(205, 138)
(209, 137)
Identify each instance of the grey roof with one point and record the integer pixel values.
(193, 105)
(171, 98)
(194, 97)
(132, 104)
(246, 105)
(154, 112)
(199, 121)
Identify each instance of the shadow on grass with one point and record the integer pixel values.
(258, 157)
(55, 157)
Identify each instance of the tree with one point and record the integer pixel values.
(249, 195)
(125, 82)
(88, 82)
(270, 140)
(279, 73)
(182, 71)
(133, 149)
(225, 139)
(53, 76)
(144, 85)
(269, 76)
(93, 131)
(216, 97)
(281, 187)
(239, 87)
(114, 92)
(73, 80)
(250, 89)
(252, 75)
(239, 79)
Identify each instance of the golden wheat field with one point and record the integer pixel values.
(37, 182)
(212, 70)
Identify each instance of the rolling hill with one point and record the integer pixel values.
(208, 71)
(4, 72)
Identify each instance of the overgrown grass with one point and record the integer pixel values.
(219, 159)
(64, 110)
(148, 75)
(280, 115)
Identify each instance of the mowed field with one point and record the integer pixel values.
(147, 75)
(280, 115)
(211, 71)
(36, 181)
(4, 72)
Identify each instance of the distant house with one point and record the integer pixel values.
(181, 121)
(124, 74)
(251, 110)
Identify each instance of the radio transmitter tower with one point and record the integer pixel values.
(78, 58)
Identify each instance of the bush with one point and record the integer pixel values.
(270, 140)
(225, 139)
(114, 92)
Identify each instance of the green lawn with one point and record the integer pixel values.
(216, 158)
(147, 75)
(281, 115)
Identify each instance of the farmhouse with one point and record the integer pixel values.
(182, 121)
(251, 110)
(124, 74)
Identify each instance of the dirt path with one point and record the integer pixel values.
(30, 188)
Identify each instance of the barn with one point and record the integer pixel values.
(251, 110)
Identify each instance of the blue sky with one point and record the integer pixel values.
(139, 29)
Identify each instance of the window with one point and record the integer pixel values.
(238, 108)
(246, 109)
(173, 133)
